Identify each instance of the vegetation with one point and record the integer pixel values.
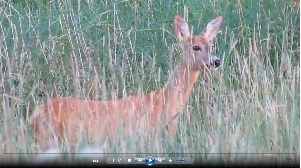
(107, 49)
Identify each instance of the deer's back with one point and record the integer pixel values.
(71, 119)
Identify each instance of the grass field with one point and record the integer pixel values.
(107, 49)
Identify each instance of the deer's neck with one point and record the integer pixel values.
(179, 87)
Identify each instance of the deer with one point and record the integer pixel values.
(61, 119)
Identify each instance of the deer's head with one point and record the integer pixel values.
(198, 48)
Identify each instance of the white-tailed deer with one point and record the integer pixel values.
(68, 119)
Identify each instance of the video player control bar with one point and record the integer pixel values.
(149, 160)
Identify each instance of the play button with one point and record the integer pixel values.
(150, 160)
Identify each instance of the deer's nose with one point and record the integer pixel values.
(217, 63)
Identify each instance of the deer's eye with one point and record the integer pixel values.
(196, 48)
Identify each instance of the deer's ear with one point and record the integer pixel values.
(212, 28)
(181, 27)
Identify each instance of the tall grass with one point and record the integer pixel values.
(107, 49)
